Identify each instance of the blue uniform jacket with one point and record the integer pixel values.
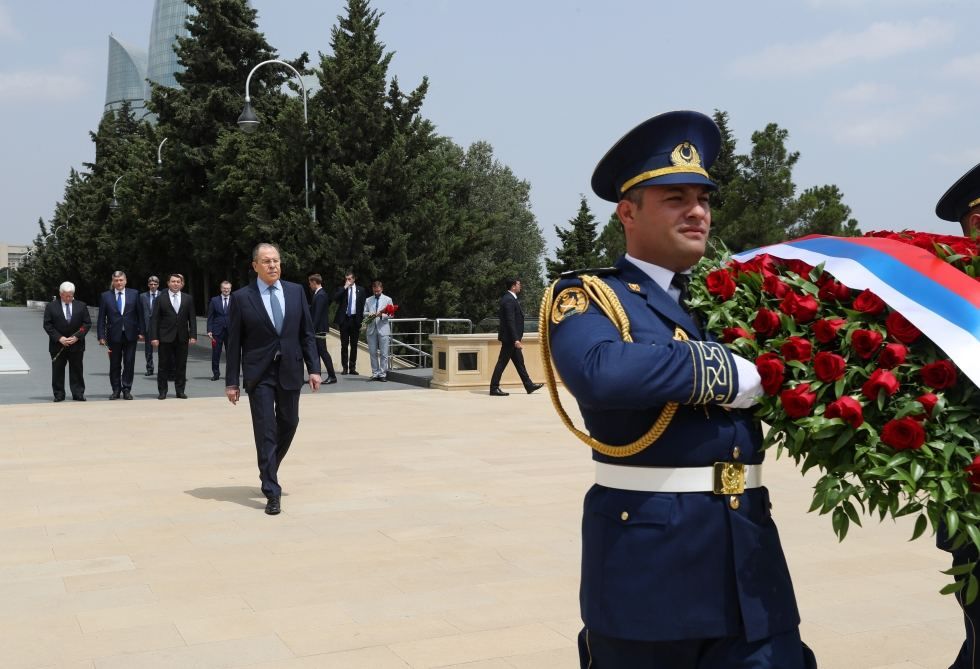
(681, 566)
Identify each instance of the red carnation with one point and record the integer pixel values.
(869, 303)
(973, 474)
(900, 329)
(928, 402)
(939, 375)
(728, 335)
(825, 329)
(797, 348)
(833, 290)
(766, 322)
(798, 401)
(803, 308)
(880, 379)
(721, 284)
(892, 356)
(829, 366)
(866, 343)
(846, 408)
(773, 285)
(903, 433)
(771, 370)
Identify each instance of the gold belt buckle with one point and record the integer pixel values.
(729, 478)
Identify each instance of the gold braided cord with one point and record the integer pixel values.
(606, 300)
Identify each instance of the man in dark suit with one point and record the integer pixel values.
(67, 322)
(350, 311)
(509, 333)
(120, 326)
(218, 326)
(147, 300)
(270, 335)
(321, 323)
(173, 327)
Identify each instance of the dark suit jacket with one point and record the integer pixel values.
(319, 309)
(147, 309)
(56, 326)
(111, 322)
(340, 297)
(168, 325)
(511, 316)
(253, 342)
(217, 316)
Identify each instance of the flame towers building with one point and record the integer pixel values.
(131, 70)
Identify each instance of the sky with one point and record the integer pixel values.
(879, 96)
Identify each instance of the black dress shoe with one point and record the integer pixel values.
(497, 392)
(114, 395)
(127, 395)
(215, 377)
(162, 396)
(148, 372)
(272, 507)
(181, 396)
(374, 378)
(383, 378)
(344, 371)
(353, 372)
(79, 398)
(332, 379)
(534, 386)
(59, 398)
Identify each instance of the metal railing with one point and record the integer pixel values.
(410, 337)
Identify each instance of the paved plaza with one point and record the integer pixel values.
(420, 528)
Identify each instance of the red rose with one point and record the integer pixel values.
(798, 401)
(766, 322)
(928, 402)
(797, 348)
(939, 375)
(825, 329)
(773, 285)
(866, 343)
(771, 370)
(880, 379)
(900, 329)
(846, 408)
(892, 356)
(903, 433)
(829, 366)
(869, 303)
(721, 284)
(973, 474)
(832, 290)
(761, 264)
(803, 308)
(728, 335)
(801, 268)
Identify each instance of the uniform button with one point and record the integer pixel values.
(733, 502)
(736, 453)
(625, 515)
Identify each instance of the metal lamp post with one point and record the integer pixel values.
(248, 121)
(115, 202)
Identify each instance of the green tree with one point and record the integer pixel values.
(821, 211)
(578, 243)
(611, 243)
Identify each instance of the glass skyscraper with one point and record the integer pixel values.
(126, 81)
(169, 19)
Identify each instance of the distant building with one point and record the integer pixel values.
(126, 81)
(12, 255)
(169, 23)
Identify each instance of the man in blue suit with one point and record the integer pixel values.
(120, 327)
(682, 566)
(270, 335)
(218, 326)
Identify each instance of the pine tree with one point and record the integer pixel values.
(578, 243)
(611, 243)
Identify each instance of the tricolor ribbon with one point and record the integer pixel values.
(940, 300)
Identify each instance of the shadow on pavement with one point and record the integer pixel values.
(238, 494)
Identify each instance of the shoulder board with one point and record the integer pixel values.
(594, 271)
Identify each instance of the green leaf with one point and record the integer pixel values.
(952, 521)
(960, 569)
(921, 523)
(974, 534)
(971, 590)
(953, 587)
(840, 523)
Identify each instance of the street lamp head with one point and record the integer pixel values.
(114, 204)
(248, 121)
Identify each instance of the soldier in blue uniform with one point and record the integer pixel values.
(682, 566)
(961, 204)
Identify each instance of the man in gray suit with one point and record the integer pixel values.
(378, 310)
(147, 300)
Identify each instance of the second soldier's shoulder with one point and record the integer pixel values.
(576, 277)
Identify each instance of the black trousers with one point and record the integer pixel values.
(71, 358)
(173, 355)
(321, 349)
(509, 352)
(148, 352)
(275, 417)
(971, 612)
(216, 346)
(350, 330)
(122, 359)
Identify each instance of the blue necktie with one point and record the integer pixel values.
(350, 301)
(119, 302)
(276, 310)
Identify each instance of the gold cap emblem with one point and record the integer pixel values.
(685, 154)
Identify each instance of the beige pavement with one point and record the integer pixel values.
(419, 529)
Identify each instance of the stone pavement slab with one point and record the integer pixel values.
(420, 529)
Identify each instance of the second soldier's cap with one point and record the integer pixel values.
(961, 197)
(673, 148)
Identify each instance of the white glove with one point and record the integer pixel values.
(749, 384)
